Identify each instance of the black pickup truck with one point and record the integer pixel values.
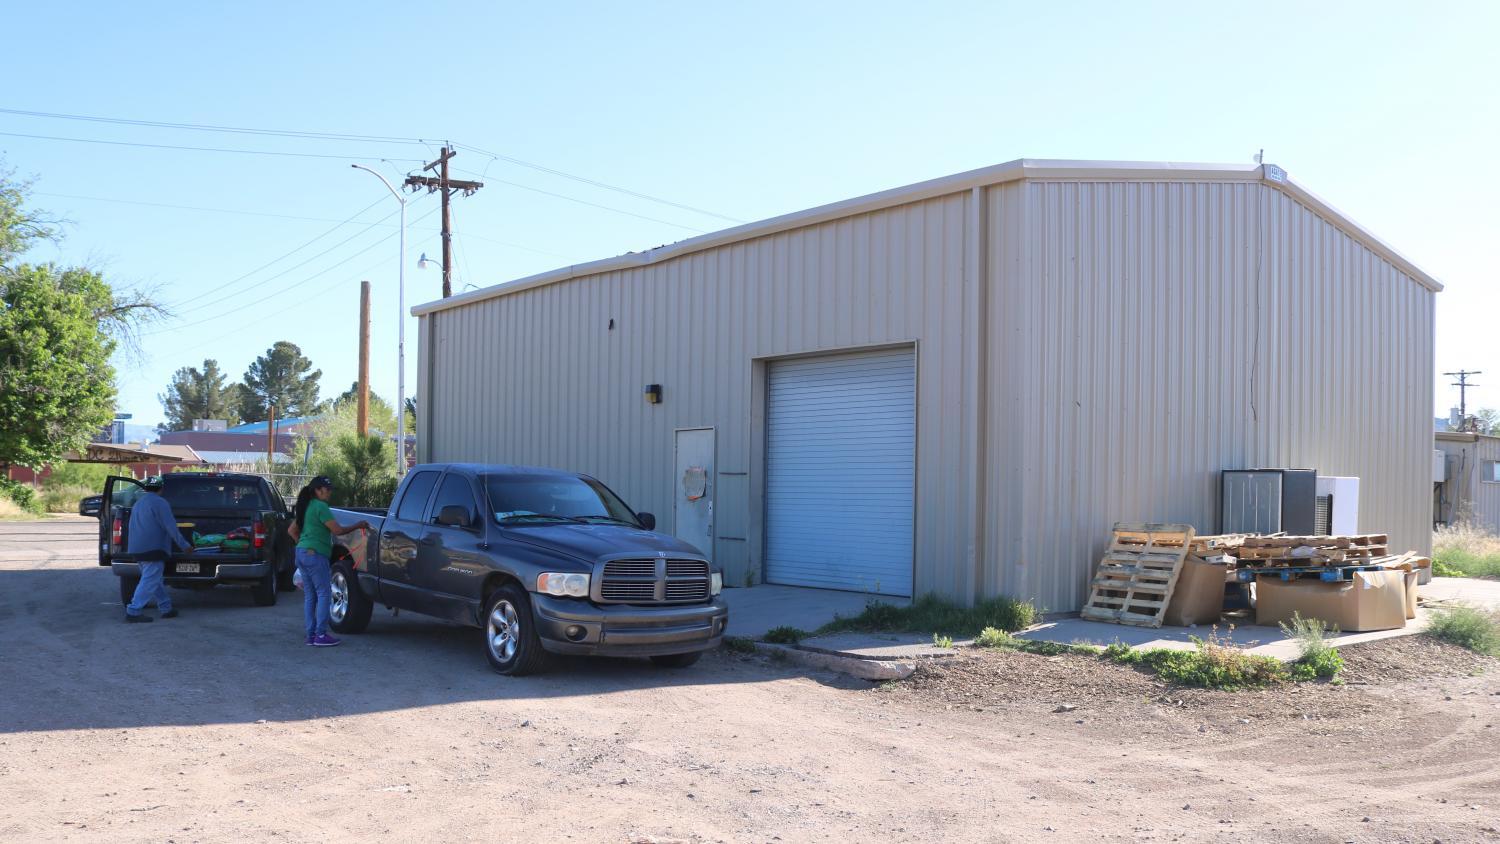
(235, 523)
(542, 561)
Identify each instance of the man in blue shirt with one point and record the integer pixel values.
(153, 536)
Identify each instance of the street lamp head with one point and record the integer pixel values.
(423, 261)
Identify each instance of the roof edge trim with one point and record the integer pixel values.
(1010, 171)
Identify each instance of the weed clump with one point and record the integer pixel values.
(1212, 664)
(931, 613)
(1319, 658)
(1468, 627)
(785, 635)
(738, 644)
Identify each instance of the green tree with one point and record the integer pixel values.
(59, 327)
(195, 394)
(362, 470)
(283, 377)
(1487, 420)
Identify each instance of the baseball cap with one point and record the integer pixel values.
(152, 483)
(320, 481)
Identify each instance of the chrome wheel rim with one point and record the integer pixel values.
(338, 606)
(503, 631)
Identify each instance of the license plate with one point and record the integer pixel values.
(187, 568)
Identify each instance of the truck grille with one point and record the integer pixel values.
(654, 581)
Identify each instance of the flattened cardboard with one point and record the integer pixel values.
(1373, 600)
(1199, 595)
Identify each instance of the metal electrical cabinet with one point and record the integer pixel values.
(1268, 501)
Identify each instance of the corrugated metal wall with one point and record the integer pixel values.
(538, 377)
(1486, 492)
(1467, 495)
(1148, 341)
(1098, 356)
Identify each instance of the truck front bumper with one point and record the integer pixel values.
(572, 626)
(210, 573)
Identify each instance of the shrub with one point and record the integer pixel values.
(1211, 665)
(1468, 548)
(931, 613)
(1468, 627)
(69, 474)
(939, 641)
(64, 499)
(22, 496)
(738, 644)
(1442, 569)
(992, 637)
(1319, 659)
(785, 635)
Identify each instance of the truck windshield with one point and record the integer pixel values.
(516, 499)
(209, 493)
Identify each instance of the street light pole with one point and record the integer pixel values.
(400, 329)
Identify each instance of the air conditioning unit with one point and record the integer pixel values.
(1337, 507)
(1268, 501)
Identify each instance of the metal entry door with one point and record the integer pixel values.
(693, 499)
(840, 467)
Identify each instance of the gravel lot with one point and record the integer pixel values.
(222, 726)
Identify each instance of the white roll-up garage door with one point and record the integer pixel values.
(840, 471)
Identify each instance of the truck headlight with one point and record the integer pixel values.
(563, 584)
(715, 583)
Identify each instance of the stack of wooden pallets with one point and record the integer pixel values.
(1280, 549)
(1135, 580)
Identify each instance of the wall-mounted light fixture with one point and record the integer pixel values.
(653, 394)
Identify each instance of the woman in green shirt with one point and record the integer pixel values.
(313, 527)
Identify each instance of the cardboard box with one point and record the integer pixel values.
(1199, 595)
(1412, 577)
(1373, 600)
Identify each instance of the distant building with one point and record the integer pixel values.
(1466, 480)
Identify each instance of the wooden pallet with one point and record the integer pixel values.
(1136, 577)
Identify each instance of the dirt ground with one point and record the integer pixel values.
(222, 726)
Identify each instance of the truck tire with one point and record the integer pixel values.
(510, 641)
(263, 591)
(676, 660)
(127, 589)
(348, 608)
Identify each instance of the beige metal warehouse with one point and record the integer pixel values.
(957, 386)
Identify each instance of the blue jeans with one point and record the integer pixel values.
(317, 590)
(150, 588)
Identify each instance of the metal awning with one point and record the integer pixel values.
(133, 453)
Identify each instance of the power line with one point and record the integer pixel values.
(275, 293)
(343, 136)
(586, 202)
(207, 149)
(278, 216)
(200, 127)
(294, 251)
(598, 184)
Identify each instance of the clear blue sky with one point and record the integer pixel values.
(1388, 110)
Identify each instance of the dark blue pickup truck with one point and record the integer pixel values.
(542, 561)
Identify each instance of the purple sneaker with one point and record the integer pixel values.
(324, 641)
(310, 639)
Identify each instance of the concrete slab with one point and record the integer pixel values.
(1464, 590)
(1265, 641)
(883, 645)
(754, 610)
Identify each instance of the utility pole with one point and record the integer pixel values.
(363, 420)
(1463, 384)
(270, 442)
(441, 182)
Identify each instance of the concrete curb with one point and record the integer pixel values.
(864, 669)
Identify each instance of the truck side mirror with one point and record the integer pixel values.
(647, 520)
(454, 515)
